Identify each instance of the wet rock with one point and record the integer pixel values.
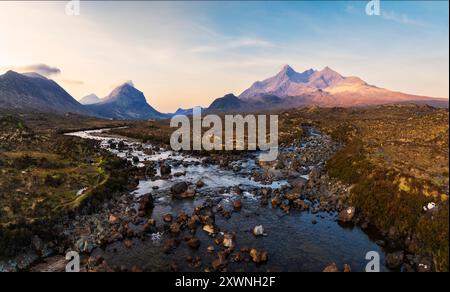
(121, 145)
(394, 260)
(331, 268)
(168, 218)
(258, 256)
(182, 218)
(237, 205)
(211, 249)
(239, 257)
(149, 227)
(347, 268)
(170, 245)
(128, 243)
(179, 188)
(194, 243)
(298, 184)
(275, 202)
(258, 230)
(200, 184)
(175, 229)
(292, 197)
(146, 204)
(220, 262)
(136, 269)
(346, 215)
(300, 205)
(179, 174)
(135, 159)
(165, 169)
(228, 240)
(209, 229)
(113, 220)
(285, 208)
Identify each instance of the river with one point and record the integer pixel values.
(298, 241)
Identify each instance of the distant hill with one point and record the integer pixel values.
(31, 91)
(90, 99)
(125, 102)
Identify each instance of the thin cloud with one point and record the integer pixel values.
(236, 43)
(42, 69)
(399, 18)
(72, 82)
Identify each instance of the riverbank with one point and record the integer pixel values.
(225, 214)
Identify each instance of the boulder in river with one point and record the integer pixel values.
(258, 256)
(165, 169)
(194, 243)
(146, 203)
(179, 188)
(237, 205)
(258, 230)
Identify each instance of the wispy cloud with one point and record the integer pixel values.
(235, 43)
(399, 18)
(71, 82)
(42, 69)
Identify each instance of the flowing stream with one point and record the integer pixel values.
(299, 241)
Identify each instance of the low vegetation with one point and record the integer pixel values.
(45, 174)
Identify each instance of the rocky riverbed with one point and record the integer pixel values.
(221, 213)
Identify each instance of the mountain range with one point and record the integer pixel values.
(126, 103)
(33, 92)
(287, 89)
(326, 88)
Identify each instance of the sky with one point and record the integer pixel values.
(184, 54)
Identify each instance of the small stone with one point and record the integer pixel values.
(258, 256)
(194, 243)
(209, 229)
(175, 229)
(258, 230)
(237, 205)
(114, 219)
(168, 218)
(228, 240)
(331, 268)
(128, 243)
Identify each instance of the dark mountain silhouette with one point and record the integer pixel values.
(125, 102)
(31, 91)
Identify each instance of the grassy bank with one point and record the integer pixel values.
(45, 175)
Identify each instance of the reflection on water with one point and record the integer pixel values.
(300, 241)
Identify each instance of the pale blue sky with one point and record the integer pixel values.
(183, 54)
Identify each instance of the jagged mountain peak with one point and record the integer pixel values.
(126, 102)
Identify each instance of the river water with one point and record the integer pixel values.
(293, 241)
